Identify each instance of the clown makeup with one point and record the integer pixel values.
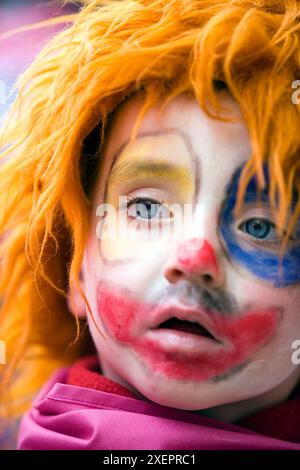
(258, 250)
(196, 318)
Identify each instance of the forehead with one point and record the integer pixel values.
(182, 133)
(182, 113)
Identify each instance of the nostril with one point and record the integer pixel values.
(177, 273)
(208, 279)
(173, 275)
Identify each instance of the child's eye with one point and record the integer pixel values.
(264, 231)
(146, 208)
(259, 228)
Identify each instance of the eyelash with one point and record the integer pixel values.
(135, 199)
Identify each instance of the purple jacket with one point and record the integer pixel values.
(71, 417)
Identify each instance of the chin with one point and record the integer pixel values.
(191, 404)
(184, 396)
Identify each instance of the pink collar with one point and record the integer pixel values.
(280, 421)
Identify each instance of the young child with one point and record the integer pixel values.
(149, 190)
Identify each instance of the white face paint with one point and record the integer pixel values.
(242, 350)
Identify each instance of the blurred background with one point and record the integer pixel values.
(19, 50)
(16, 53)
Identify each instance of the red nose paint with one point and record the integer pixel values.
(197, 254)
(124, 319)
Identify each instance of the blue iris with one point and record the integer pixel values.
(258, 228)
(146, 210)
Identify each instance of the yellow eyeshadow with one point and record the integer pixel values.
(158, 171)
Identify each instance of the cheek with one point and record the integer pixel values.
(250, 291)
(135, 246)
(119, 314)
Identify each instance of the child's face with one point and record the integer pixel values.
(147, 294)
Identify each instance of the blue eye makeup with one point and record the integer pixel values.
(254, 242)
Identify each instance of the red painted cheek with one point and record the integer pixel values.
(119, 314)
(197, 253)
(243, 335)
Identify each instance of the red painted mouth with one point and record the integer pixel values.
(184, 342)
(188, 320)
(187, 327)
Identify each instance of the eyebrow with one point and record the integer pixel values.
(144, 169)
(155, 133)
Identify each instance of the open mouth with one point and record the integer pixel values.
(187, 327)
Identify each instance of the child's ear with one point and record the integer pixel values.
(75, 301)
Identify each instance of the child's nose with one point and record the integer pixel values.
(194, 260)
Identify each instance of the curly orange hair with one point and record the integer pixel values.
(109, 50)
